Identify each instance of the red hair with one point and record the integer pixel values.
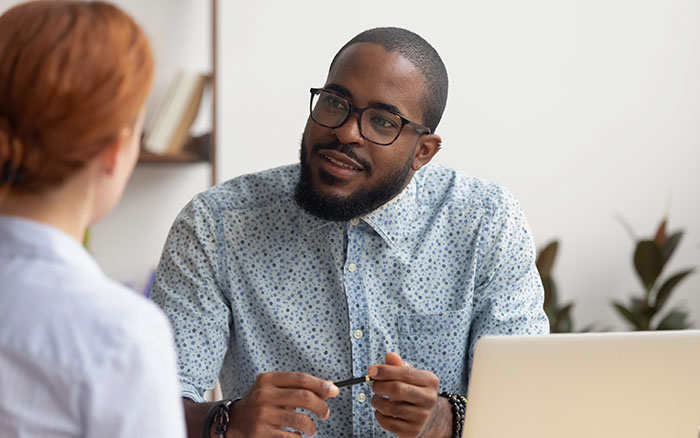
(72, 75)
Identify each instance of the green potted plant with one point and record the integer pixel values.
(647, 312)
(559, 315)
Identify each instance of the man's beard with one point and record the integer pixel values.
(358, 203)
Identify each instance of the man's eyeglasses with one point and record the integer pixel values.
(377, 125)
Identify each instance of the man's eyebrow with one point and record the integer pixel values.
(338, 89)
(374, 104)
(386, 106)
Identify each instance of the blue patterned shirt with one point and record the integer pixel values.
(252, 284)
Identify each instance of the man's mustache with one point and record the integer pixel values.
(344, 149)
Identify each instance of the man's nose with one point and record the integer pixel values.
(349, 132)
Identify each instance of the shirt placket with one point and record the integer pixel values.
(359, 328)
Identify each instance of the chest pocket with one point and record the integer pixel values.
(438, 343)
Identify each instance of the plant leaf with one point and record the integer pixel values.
(661, 237)
(648, 260)
(629, 316)
(665, 290)
(550, 293)
(562, 320)
(639, 308)
(545, 259)
(670, 247)
(675, 320)
(564, 311)
(566, 326)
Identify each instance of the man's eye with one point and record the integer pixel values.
(334, 103)
(383, 122)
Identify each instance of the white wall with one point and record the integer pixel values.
(586, 110)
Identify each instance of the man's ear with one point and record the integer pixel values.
(110, 155)
(427, 147)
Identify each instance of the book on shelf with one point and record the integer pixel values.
(169, 129)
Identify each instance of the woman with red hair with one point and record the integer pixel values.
(80, 355)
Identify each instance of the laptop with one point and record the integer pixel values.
(594, 385)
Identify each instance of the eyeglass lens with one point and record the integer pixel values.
(376, 125)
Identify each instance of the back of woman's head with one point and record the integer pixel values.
(72, 75)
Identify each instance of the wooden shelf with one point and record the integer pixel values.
(203, 149)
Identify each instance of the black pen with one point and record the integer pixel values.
(353, 381)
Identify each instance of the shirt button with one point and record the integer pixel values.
(357, 334)
(352, 267)
(361, 397)
(354, 221)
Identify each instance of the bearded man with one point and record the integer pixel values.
(363, 259)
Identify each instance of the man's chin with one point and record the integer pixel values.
(330, 186)
(331, 202)
(328, 205)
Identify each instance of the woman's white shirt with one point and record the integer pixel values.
(80, 355)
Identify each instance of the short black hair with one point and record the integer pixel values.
(419, 53)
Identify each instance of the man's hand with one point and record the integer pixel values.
(406, 400)
(271, 404)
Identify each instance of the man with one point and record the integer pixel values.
(363, 259)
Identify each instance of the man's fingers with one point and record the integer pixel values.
(274, 401)
(404, 397)
(393, 359)
(295, 420)
(396, 426)
(403, 392)
(299, 398)
(277, 433)
(396, 409)
(323, 388)
(410, 375)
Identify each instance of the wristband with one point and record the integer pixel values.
(220, 415)
(458, 404)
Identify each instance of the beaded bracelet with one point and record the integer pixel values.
(219, 414)
(459, 408)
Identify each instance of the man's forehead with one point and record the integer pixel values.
(367, 73)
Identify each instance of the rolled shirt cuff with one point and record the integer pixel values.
(190, 391)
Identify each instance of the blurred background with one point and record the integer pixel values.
(588, 111)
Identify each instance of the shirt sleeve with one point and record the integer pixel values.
(509, 297)
(133, 390)
(186, 287)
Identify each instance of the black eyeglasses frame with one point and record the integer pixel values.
(422, 130)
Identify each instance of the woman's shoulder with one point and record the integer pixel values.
(82, 326)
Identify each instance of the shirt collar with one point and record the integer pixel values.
(31, 239)
(389, 221)
(310, 223)
(392, 220)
